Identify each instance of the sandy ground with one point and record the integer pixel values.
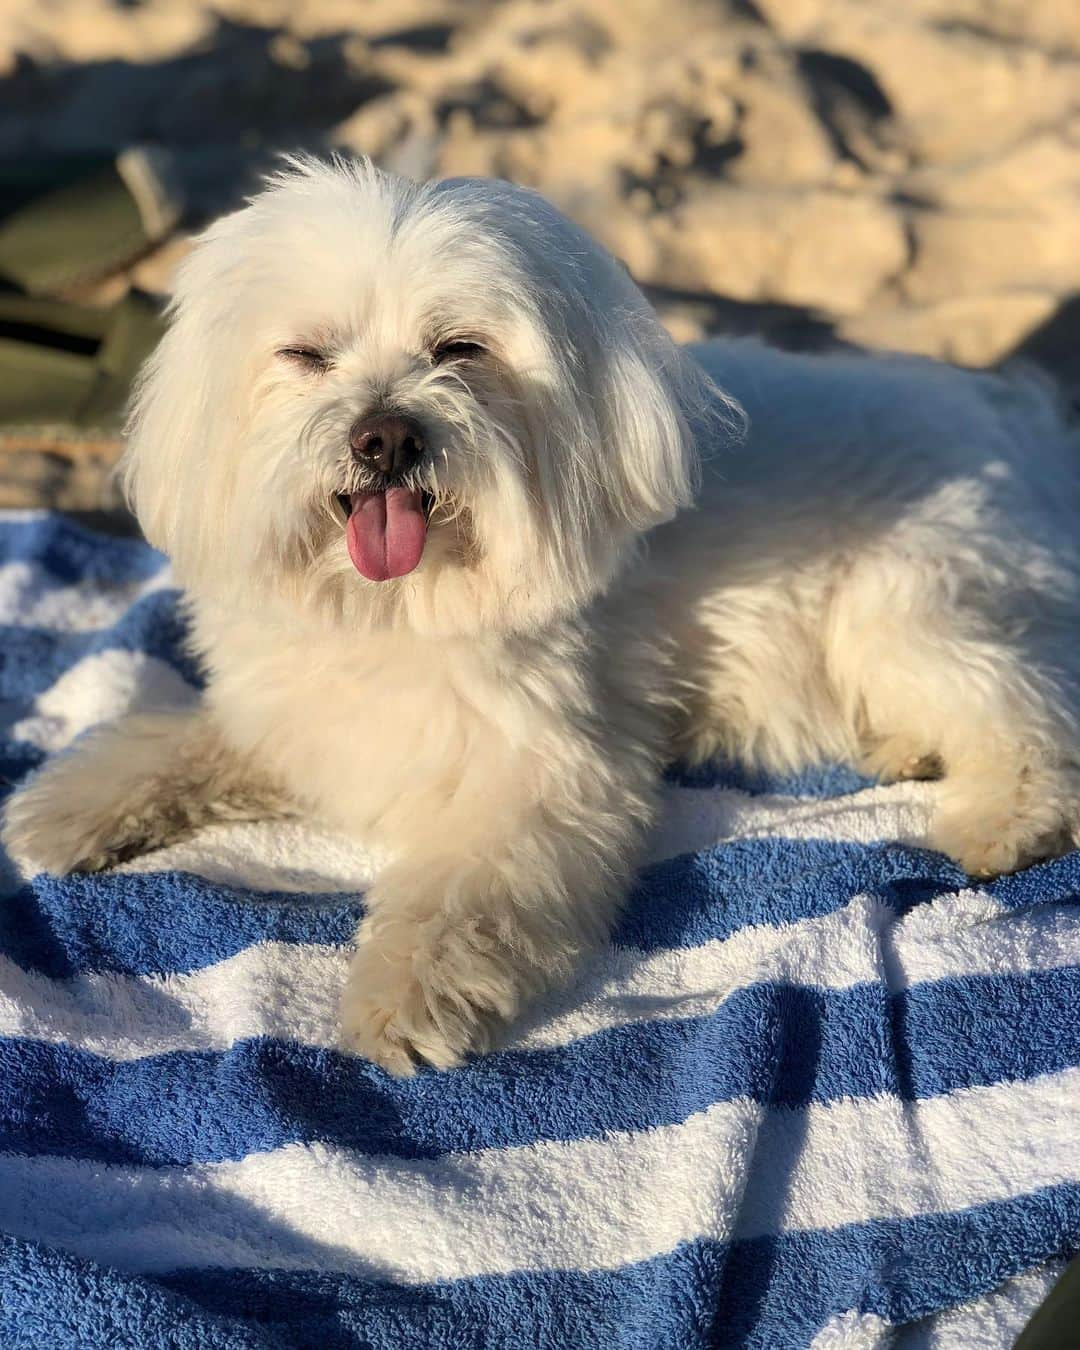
(901, 175)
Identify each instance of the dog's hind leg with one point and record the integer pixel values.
(129, 787)
(931, 686)
(755, 687)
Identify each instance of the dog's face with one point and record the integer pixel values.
(438, 405)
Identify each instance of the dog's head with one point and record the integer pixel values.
(439, 405)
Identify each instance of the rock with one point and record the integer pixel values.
(793, 20)
(398, 130)
(901, 175)
(1053, 24)
(61, 472)
(100, 30)
(979, 253)
(972, 331)
(1043, 166)
(783, 142)
(955, 94)
(822, 250)
(632, 238)
(683, 322)
(379, 126)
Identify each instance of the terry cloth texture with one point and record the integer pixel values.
(818, 1089)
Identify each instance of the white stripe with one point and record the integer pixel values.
(699, 818)
(30, 597)
(854, 1330)
(25, 515)
(291, 991)
(588, 1204)
(971, 933)
(303, 857)
(270, 989)
(820, 1168)
(100, 689)
(269, 855)
(986, 1323)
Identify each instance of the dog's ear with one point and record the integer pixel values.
(174, 470)
(648, 433)
(657, 411)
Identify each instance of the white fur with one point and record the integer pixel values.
(881, 570)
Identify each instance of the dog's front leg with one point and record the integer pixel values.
(454, 942)
(129, 787)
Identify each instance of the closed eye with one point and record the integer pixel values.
(307, 358)
(459, 349)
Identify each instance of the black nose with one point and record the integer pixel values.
(389, 443)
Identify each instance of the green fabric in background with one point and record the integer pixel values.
(56, 236)
(71, 365)
(65, 221)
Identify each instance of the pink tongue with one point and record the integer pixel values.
(385, 533)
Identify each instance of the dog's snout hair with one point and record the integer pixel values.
(389, 443)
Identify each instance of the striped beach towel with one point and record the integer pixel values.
(819, 1089)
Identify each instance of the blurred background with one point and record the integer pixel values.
(883, 174)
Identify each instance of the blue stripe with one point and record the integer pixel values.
(52, 1299)
(684, 901)
(71, 553)
(33, 659)
(773, 1294)
(1047, 883)
(769, 1294)
(816, 780)
(157, 922)
(781, 1045)
(699, 897)
(981, 1029)
(164, 922)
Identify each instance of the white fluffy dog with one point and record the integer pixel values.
(472, 551)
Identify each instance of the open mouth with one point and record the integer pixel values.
(385, 531)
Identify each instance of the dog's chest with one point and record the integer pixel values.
(369, 733)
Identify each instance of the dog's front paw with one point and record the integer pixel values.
(51, 826)
(424, 993)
